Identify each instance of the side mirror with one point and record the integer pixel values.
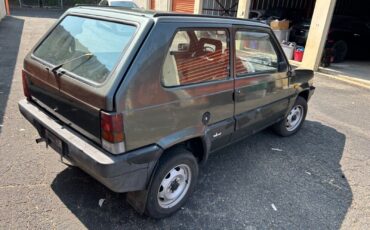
(300, 76)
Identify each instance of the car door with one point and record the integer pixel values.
(197, 70)
(261, 80)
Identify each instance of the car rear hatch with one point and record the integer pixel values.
(75, 70)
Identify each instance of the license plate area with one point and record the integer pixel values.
(53, 141)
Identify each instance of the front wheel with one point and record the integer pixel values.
(173, 182)
(294, 120)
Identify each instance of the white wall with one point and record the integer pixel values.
(163, 5)
(2, 9)
(140, 3)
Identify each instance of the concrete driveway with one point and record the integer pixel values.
(317, 179)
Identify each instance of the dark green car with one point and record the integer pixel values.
(139, 99)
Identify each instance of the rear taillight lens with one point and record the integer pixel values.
(26, 89)
(112, 134)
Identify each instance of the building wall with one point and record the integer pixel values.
(140, 3)
(213, 7)
(163, 5)
(2, 9)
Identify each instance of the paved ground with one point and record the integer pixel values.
(320, 179)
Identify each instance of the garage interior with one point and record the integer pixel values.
(357, 63)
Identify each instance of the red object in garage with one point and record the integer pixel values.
(298, 55)
(184, 6)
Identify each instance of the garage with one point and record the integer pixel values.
(349, 39)
(183, 6)
(346, 48)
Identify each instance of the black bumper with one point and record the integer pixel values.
(120, 173)
(311, 92)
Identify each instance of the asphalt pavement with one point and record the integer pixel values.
(316, 179)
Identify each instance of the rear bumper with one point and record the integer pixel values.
(120, 173)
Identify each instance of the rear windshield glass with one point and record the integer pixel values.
(87, 47)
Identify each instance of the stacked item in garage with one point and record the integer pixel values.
(289, 49)
(282, 32)
(281, 29)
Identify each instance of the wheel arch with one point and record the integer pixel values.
(305, 94)
(198, 146)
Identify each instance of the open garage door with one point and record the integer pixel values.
(349, 40)
(184, 6)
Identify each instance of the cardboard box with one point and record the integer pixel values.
(279, 25)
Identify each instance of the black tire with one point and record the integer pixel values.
(281, 128)
(340, 49)
(168, 163)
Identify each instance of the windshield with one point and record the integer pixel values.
(76, 36)
(123, 4)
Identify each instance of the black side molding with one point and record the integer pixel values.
(144, 155)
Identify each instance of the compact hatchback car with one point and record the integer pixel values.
(139, 99)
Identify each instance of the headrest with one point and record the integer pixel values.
(216, 43)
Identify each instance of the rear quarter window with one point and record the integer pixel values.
(86, 47)
(196, 56)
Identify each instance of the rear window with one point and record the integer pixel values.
(89, 48)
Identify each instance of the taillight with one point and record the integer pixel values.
(112, 135)
(26, 89)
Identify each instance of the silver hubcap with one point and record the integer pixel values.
(174, 186)
(294, 118)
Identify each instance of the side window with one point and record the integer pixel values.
(196, 56)
(254, 53)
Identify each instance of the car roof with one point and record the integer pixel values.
(173, 16)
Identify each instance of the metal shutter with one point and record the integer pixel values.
(185, 6)
(152, 4)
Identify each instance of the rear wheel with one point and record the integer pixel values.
(294, 120)
(173, 182)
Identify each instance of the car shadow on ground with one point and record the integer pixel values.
(10, 37)
(262, 181)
